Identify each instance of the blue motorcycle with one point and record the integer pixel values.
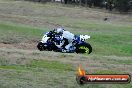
(54, 42)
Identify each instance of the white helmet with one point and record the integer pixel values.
(59, 30)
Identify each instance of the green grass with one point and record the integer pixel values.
(51, 65)
(6, 28)
(115, 41)
(106, 72)
(106, 38)
(128, 62)
(37, 64)
(37, 73)
(40, 73)
(16, 33)
(111, 42)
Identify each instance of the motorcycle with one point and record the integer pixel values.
(54, 43)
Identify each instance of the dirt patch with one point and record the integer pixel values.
(2, 45)
(29, 45)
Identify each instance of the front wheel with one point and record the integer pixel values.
(84, 48)
(41, 46)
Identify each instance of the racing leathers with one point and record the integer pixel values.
(65, 41)
(68, 38)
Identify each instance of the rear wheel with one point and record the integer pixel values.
(84, 48)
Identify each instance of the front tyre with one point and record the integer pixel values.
(41, 46)
(84, 48)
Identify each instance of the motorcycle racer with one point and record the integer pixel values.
(66, 37)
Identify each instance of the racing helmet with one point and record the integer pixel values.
(58, 30)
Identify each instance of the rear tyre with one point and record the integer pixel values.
(84, 48)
